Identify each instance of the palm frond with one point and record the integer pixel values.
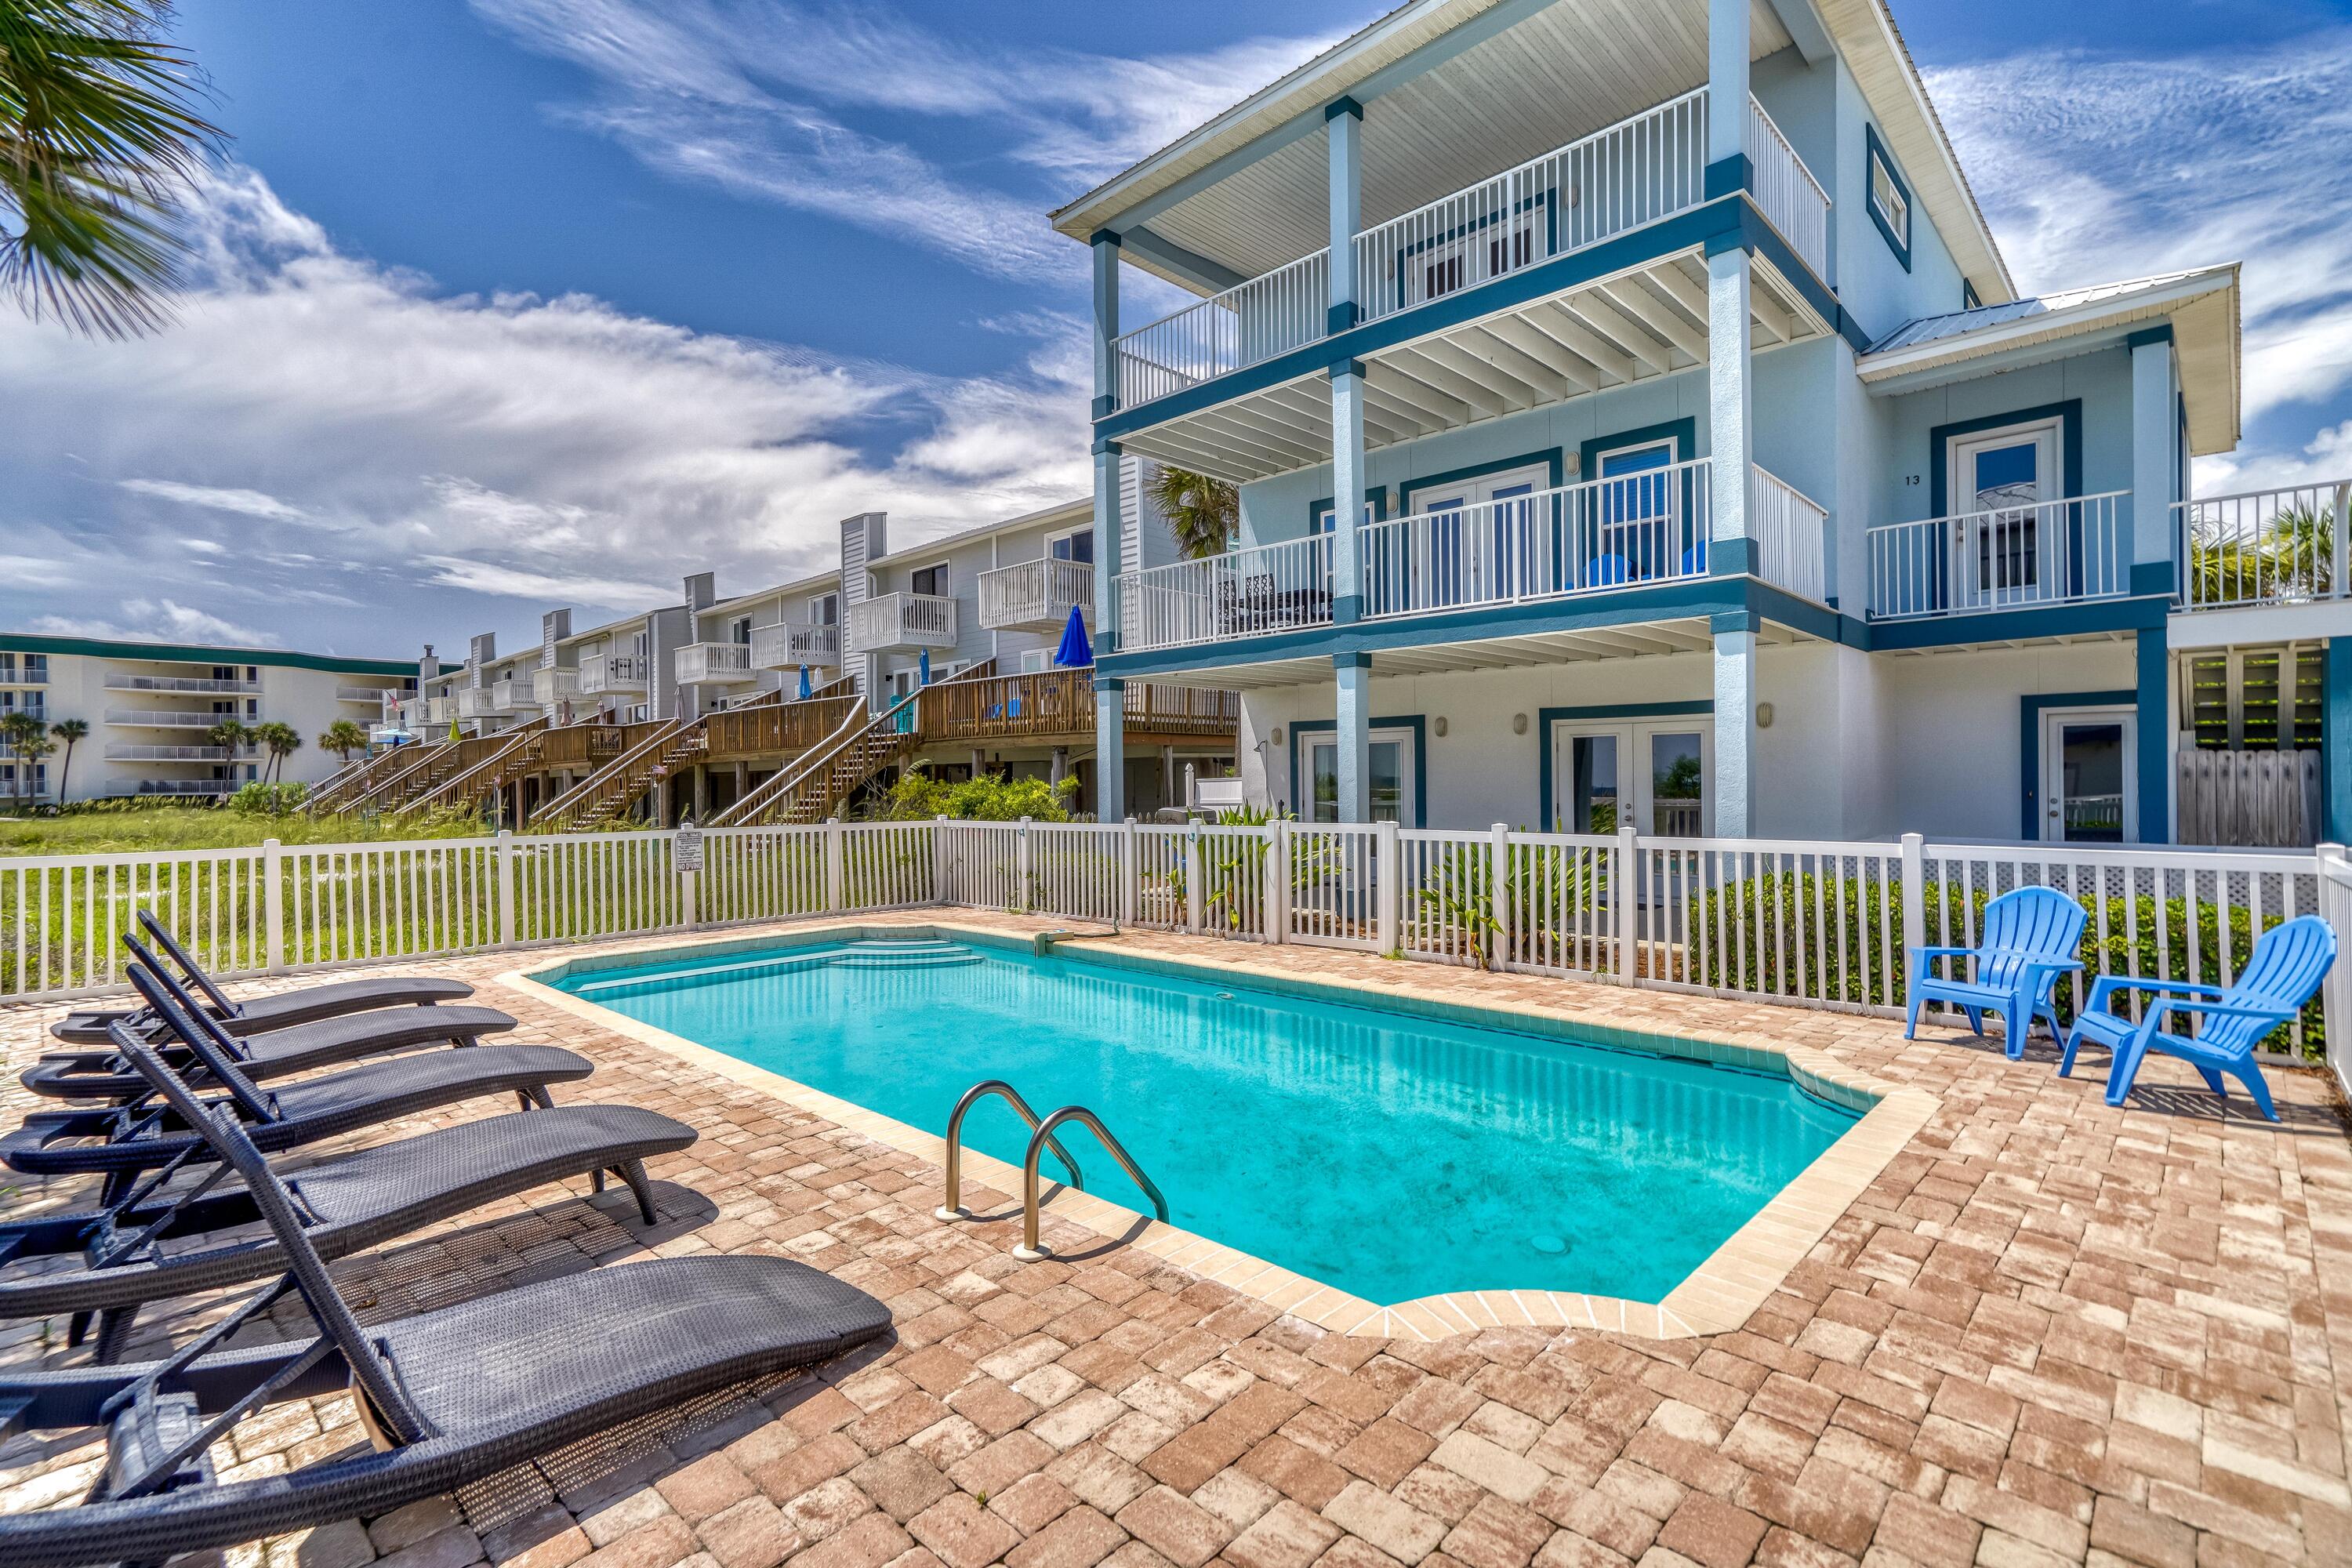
(1203, 513)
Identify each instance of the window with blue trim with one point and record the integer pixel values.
(1889, 199)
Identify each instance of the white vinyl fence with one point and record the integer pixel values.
(1805, 923)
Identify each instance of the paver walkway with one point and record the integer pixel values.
(2048, 1332)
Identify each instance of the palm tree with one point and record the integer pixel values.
(98, 142)
(29, 752)
(228, 734)
(18, 732)
(342, 737)
(71, 731)
(280, 741)
(1202, 514)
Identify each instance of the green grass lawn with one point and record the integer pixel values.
(168, 827)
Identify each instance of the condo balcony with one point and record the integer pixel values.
(611, 673)
(193, 787)
(479, 703)
(372, 695)
(553, 683)
(512, 695)
(138, 754)
(171, 717)
(442, 709)
(1034, 596)
(2266, 563)
(2031, 556)
(1641, 171)
(898, 621)
(124, 681)
(792, 644)
(1600, 536)
(713, 664)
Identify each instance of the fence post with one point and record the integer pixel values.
(940, 860)
(504, 850)
(273, 902)
(2335, 997)
(1277, 881)
(1498, 865)
(1387, 887)
(1195, 904)
(1915, 907)
(1624, 899)
(1126, 872)
(1023, 868)
(836, 880)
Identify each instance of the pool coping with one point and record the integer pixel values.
(1717, 1296)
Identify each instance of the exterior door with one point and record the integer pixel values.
(2005, 549)
(1489, 559)
(2089, 786)
(1392, 796)
(1638, 530)
(1657, 770)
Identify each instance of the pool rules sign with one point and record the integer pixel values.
(686, 858)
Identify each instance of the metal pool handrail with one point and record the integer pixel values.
(1029, 1251)
(951, 1207)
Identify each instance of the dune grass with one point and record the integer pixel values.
(170, 827)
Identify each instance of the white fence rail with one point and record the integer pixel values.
(1792, 533)
(2265, 547)
(1815, 924)
(2008, 558)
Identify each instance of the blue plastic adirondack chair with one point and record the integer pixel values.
(2030, 937)
(1604, 570)
(2285, 967)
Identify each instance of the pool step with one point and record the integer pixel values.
(847, 956)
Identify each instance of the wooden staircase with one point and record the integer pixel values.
(448, 762)
(342, 791)
(608, 793)
(367, 790)
(478, 782)
(816, 786)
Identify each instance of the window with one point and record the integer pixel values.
(825, 610)
(36, 669)
(2253, 698)
(1078, 547)
(1890, 198)
(931, 581)
(1969, 298)
(738, 630)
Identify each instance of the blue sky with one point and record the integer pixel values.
(495, 292)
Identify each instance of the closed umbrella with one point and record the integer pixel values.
(1076, 652)
(807, 691)
(923, 667)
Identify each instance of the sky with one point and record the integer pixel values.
(503, 304)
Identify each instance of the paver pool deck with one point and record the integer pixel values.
(2045, 1332)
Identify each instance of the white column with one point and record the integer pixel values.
(1735, 733)
(1730, 410)
(1343, 122)
(1354, 735)
(1728, 46)
(1347, 491)
(2155, 464)
(1110, 700)
(1106, 249)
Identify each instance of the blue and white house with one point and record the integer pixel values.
(1632, 412)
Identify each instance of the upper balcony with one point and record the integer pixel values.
(1648, 318)
(1598, 536)
(611, 673)
(2031, 556)
(889, 622)
(554, 683)
(171, 717)
(713, 664)
(372, 695)
(124, 681)
(1034, 596)
(2267, 564)
(790, 644)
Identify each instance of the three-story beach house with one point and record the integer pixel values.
(1635, 421)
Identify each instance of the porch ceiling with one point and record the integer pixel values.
(1689, 633)
(1558, 74)
(1645, 322)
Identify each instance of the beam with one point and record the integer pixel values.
(1553, 319)
(1605, 318)
(1628, 295)
(1207, 276)
(1451, 358)
(1548, 352)
(1417, 397)
(1487, 344)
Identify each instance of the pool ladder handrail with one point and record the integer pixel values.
(1031, 1250)
(951, 1205)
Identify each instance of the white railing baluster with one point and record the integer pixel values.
(2040, 553)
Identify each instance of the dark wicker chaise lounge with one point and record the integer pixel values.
(457, 1395)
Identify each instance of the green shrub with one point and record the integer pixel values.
(917, 797)
(258, 798)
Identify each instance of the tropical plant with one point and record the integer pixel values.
(280, 741)
(229, 734)
(342, 737)
(2291, 556)
(18, 732)
(919, 796)
(99, 139)
(68, 732)
(1203, 513)
(258, 798)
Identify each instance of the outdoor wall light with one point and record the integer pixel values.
(1439, 727)
(1763, 715)
(1275, 734)
(1519, 724)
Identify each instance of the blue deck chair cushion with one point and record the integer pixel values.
(2030, 938)
(1603, 569)
(2281, 974)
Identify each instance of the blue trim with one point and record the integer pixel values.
(1683, 433)
(1342, 105)
(1376, 496)
(1214, 276)
(2029, 736)
(1546, 719)
(1729, 621)
(2069, 415)
(1105, 446)
(1412, 721)
(2153, 667)
(2152, 577)
(1347, 609)
(1969, 300)
(2335, 737)
(1337, 319)
(1555, 459)
(1726, 175)
(1105, 406)
(1873, 149)
(1104, 236)
(2004, 625)
(2159, 333)
(1339, 367)
(1730, 557)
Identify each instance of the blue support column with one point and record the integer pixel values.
(1727, 46)
(1106, 249)
(1110, 716)
(2153, 763)
(1354, 736)
(1343, 125)
(2336, 743)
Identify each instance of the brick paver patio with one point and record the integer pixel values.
(2048, 1332)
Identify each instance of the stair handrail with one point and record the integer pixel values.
(1031, 1250)
(951, 1204)
(524, 738)
(555, 811)
(426, 756)
(739, 814)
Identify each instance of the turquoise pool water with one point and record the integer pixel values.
(1390, 1156)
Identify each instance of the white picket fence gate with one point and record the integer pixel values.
(1816, 924)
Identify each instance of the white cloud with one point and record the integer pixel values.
(2326, 458)
(159, 618)
(374, 459)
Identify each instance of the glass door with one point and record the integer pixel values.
(2004, 550)
(1392, 796)
(2088, 788)
(1656, 770)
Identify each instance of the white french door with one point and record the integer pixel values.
(1391, 783)
(2006, 545)
(1655, 769)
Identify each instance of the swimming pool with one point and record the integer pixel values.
(1390, 1155)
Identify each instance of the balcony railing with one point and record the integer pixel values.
(1792, 533)
(169, 718)
(118, 681)
(611, 673)
(172, 786)
(1242, 592)
(1788, 193)
(792, 644)
(129, 753)
(1635, 172)
(479, 703)
(511, 695)
(723, 662)
(902, 620)
(374, 694)
(1034, 596)
(2009, 558)
(441, 709)
(2265, 547)
(553, 683)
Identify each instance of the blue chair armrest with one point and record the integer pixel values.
(1944, 952)
(2106, 985)
(2216, 1009)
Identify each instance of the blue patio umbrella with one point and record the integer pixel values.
(1076, 652)
(807, 691)
(923, 667)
